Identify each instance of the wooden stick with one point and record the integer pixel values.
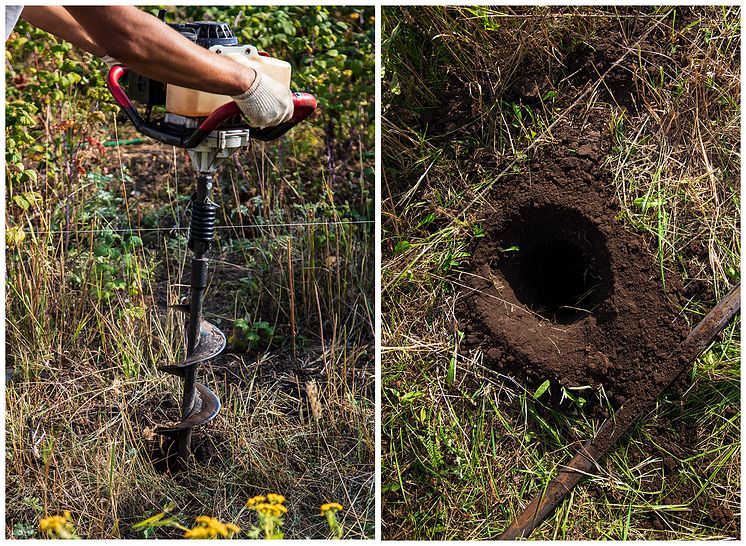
(585, 462)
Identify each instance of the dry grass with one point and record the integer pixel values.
(87, 391)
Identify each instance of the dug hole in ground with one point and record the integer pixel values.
(561, 201)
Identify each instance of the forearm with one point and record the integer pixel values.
(58, 21)
(145, 44)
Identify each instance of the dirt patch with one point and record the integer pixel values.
(723, 517)
(556, 288)
(561, 291)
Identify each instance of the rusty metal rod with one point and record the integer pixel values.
(587, 459)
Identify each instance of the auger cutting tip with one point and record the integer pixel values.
(206, 407)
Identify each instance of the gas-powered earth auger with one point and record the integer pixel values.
(209, 139)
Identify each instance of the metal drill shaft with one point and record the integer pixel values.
(204, 341)
(201, 231)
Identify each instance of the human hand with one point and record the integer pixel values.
(267, 103)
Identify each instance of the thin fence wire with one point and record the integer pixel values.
(186, 228)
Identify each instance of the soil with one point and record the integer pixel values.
(559, 290)
(281, 372)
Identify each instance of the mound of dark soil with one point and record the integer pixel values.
(561, 291)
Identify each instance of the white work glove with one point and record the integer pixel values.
(110, 61)
(267, 103)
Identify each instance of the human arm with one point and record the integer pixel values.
(145, 44)
(58, 21)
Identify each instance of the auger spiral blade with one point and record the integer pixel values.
(206, 407)
(211, 344)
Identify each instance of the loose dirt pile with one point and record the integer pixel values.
(561, 291)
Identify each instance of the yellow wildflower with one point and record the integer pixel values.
(269, 512)
(253, 501)
(347, 73)
(329, 507)
(58, 526)
(216, 525)
(208, 527)
(329, 511)
(275, 510)
(198, 533)
(272, 507)
(274, 498)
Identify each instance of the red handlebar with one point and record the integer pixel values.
(304, 105)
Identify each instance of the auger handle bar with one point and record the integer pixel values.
(304, 105)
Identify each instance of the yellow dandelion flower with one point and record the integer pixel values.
(347, 73)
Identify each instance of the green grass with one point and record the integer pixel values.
(464, 450)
